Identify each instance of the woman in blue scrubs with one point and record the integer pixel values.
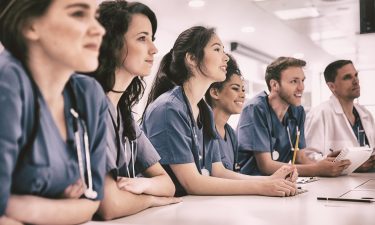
(180, 124)
(226, 98)
(52, 155)
(126, 56)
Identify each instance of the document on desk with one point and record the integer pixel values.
(356, 155)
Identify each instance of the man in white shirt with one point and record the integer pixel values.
(339, 122)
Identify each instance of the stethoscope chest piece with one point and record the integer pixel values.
(205, 172)
(275, 155)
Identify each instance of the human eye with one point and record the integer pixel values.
(293, 81)
(78, 14)
(142, 38)
(236, 88)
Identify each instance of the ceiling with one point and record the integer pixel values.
(332, 35)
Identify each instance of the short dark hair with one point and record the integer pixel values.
(14, 16)
(274, 70)
(232, 69)
(330, 72)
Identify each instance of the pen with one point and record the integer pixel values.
(295, 148)
(345, 199)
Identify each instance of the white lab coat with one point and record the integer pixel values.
(327, 127)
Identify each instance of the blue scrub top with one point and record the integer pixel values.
(145, 153)
(260, 130)
(228, 148)
(50, 165)
(168, 126)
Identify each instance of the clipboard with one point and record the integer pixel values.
(356, 155)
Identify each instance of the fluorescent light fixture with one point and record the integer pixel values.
(247, 29)
(251, 52)
(298, 55)
(196, 3)
(299, 13)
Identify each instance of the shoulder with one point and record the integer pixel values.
(88, 87)
(168, 103)
(322, 108)
(12, 73)
(256, 106)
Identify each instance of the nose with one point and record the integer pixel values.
(301, 85)
(226, 57)
(153, 49)
(97, 28)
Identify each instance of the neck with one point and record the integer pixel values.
(50, 78)
(221, 118)
(347, 107)
(195, 89)
(122, 81)
(278, 105)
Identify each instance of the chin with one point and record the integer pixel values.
(88, 66)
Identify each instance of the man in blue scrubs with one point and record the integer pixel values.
(268, 125)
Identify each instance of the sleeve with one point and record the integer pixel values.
(10, 132)
(253, 131)
(146, 153)
(168, 129)
(111, 145)
(98, 144)
(315, 134)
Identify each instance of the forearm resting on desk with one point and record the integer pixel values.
(39, 210)
(118, 203)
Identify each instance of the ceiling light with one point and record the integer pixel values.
(247, 29)
(291, 14)
(196, 3)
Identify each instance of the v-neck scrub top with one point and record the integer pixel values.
(51, 164)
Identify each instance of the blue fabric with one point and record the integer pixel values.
(259, 130)
(169, 128)
(145, 153)
(228, 148)
(50, 165)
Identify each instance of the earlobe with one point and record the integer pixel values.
(30, 32)
(331, 86)
(274, 85)
(190, 60)
(214, 93)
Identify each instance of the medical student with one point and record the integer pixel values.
(126, 56)
(52, 157)
(269, 125)
(226, 98)
(339, 122)
(180, 124)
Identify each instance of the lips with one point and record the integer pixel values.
(92, 47)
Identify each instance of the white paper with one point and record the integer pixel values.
(356, 155)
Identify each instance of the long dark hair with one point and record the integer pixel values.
(173, 70)
(14, 14)
(232, 69)
(115, 17)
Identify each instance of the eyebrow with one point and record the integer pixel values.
(143, 32)
(80, 5)
(216, 43)
(237, 85)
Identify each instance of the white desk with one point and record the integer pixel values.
(259, 210)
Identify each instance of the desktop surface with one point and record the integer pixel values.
(259, 210)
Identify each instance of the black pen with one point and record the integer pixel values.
(346, 199)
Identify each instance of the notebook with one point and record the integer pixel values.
(356, 155)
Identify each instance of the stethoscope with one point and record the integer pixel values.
(132, 145)
(202, 157)
(274, 153)
(89, 190)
